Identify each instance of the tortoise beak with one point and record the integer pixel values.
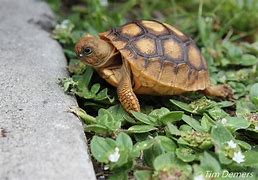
(80, 55)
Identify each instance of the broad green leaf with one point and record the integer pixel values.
(171, 117)
(143, 174)
(119, 176)
(220, 134)
(185, 154)
(142, 137)
(118, 112)
(244, 145)
(239, 89)
(236, 123)
(208, 118)
(183, 142)
(251, 159)
(140, 146)
(129, 119)
(241, 108)
(158, 113)
(209, 163)
(251, 47)
(206, 123)
(105, 118)
(101, 148)
(223, 159)
(150, 154)
(166, 143)
(95, 88)
(248, 60)
(84, 93)
(124, 164)
(172, 129)
(85, 79)
(103, 94)
(224, 104)
(234, 51)
(254, 94)
(124, 142)
(217, 113)
(164, 161)
(71, 54)
(244, 108)
(185, 127)
(141, 128)
(193, 123)
(169, 164)
(183, 106)
(144, 118)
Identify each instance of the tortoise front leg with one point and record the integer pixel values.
(125, 92)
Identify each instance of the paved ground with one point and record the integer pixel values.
(42, 140)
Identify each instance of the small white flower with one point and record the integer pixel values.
(114, 156)
(106, 168)
(238, 157)
(64, 24)
(151, 137)
(256, 128)
(104, 2)
(199, 177)
(232, 144)
(224, 121)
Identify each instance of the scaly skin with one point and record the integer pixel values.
(222, 90)
(127, 98)
(125, 92)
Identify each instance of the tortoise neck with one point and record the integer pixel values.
(110, 59)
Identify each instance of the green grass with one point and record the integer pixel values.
(188, 135)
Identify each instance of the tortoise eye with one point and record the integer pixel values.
(87, 51)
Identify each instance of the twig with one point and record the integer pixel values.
(140, 167)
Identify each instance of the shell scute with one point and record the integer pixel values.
(132, 30)
(145, 46)
(173, 49)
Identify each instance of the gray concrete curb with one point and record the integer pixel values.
(42, 140)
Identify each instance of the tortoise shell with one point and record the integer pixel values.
(163, 60)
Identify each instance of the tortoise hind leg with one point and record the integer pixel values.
(125, 92)
(222, 90)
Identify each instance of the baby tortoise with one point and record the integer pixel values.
(148, 57)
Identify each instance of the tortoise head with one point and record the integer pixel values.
(93, 51)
